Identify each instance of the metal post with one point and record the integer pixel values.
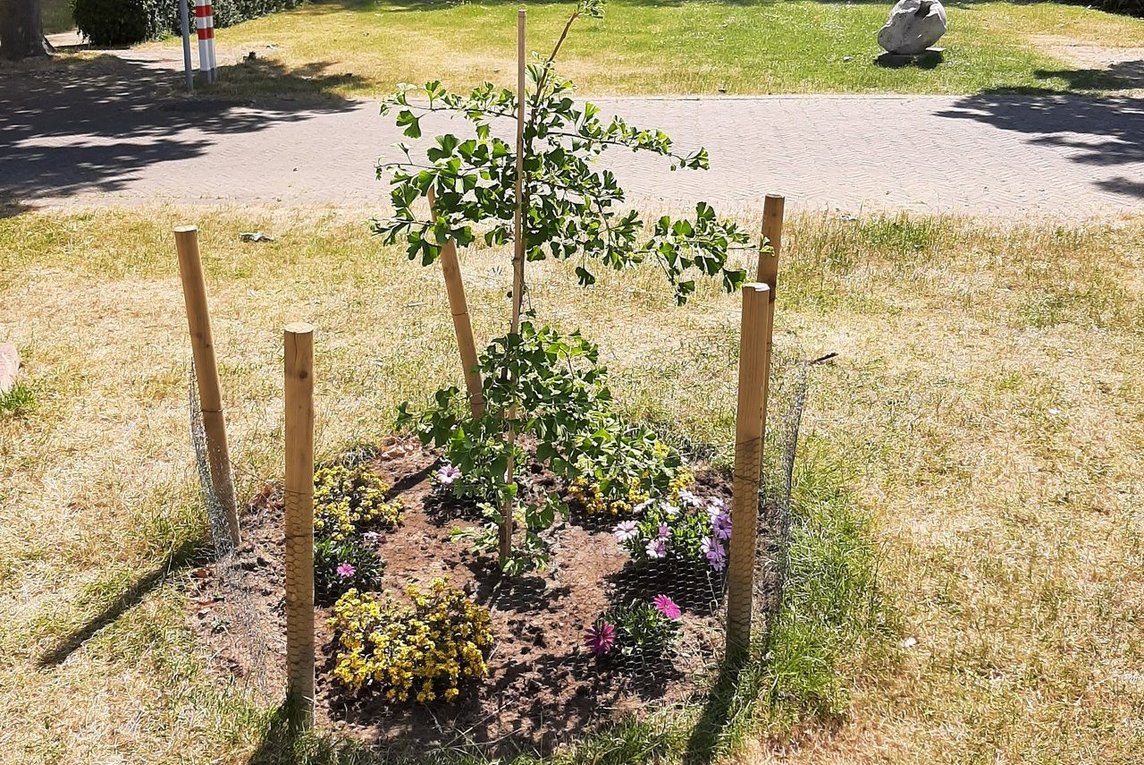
(185, 27)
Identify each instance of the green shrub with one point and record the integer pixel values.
(125, 22)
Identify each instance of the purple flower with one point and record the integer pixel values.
(447, 474)
(600, 638)
(372, 537)
(715, 553)
(667, 607)
(626, 530)
(688, 498)
(664, 531)
(721, 525)
(345, 570)
(657, 548)
(715, 506)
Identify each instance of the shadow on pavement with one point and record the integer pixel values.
(71, 125)
(1095, 130)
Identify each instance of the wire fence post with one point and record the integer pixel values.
(750, 419)
(206, 372)
(299, 431)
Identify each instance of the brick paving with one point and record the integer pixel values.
(109, 142)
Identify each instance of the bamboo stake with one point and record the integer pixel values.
(462, 326)
(299, 397)
(206, 372)
(517, 275)
(750, 422)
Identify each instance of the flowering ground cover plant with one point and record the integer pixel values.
(424, 650)
(349, 506)
(692, 530)
(351, 563)
(642, 630)
(351, 500)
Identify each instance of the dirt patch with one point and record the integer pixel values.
(1123, 67)
(543, 685)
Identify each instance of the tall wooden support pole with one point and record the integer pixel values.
(517, 273)
(750, 421)
(206, 372)
(462, 325)
(299, 396)
(518, 220)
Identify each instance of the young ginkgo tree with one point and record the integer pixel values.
(535, 380)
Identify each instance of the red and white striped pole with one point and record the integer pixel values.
(204, 26)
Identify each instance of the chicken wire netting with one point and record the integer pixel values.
(546, 684)
(230, 603)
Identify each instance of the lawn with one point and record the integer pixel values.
(665, 48)
(57, 16)
(967, 578)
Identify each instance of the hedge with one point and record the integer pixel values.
(125, 22)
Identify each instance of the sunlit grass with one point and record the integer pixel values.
(665, 48)
(970, 476)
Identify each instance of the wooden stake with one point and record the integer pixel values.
(750, 422)
(769, 268)
(299, 397)
(206, 372)
(768, 272)
(462, 326)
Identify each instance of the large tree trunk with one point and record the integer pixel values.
(21, 29)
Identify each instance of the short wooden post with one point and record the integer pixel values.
(462, 326)
(299, 397)
(749, 425)
(206, 372)
(768, 272)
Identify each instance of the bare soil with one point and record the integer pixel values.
(543, 684)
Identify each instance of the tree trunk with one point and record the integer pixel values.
(21, 29)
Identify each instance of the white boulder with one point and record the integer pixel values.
(914, 25)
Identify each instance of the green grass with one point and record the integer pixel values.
(57, 16)
(18, 401)
(970, 475)
(666, 48)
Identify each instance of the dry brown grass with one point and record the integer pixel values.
(986, 409)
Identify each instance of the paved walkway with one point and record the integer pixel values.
(107, 141)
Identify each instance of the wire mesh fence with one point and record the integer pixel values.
(545, 682)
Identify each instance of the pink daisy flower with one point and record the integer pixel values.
(667, 607)
(600, 638)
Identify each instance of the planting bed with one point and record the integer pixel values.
(543, 683)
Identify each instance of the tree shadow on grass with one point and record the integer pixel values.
(80, 124)
(177, 558)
